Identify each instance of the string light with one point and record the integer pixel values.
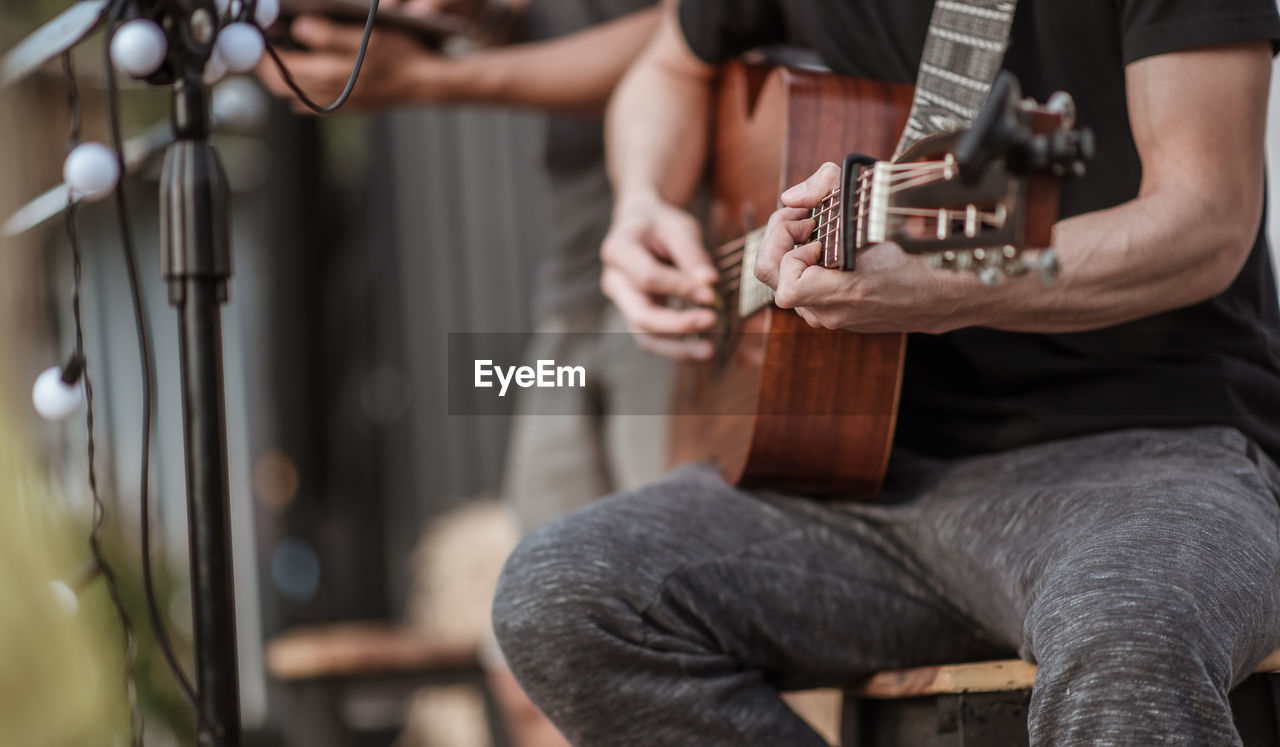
(67, 599)
(139, 47)
(266, 13)
(54, 398)
(240, 45)
(91, 171)
(214, 69)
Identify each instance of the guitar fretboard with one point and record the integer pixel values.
(875, 215)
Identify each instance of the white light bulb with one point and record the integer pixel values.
(222, 6)
(54, 399)
(65, 596)
(239, 105)
(240, 45)
(91, 171)
(139, 47)
(214, 69)
(266, 13)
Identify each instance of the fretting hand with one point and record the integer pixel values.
(890, 291)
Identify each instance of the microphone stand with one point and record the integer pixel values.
(196, 263)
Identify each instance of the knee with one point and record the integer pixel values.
(558, 590)
(1115, 660)
(534, 592)
(1107, 631)
(1117, 667)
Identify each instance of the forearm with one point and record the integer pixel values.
(658, 124)
(1199, 120)
(575, 73)
(656, 142)
(1159, 252)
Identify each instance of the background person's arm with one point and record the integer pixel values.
(657, 130)
(574, 73)
(1199, 123)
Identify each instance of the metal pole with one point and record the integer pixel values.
(196, 261)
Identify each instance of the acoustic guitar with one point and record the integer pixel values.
(782, 405)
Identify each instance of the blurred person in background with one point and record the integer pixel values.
(565, 59)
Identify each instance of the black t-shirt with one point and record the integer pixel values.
(581, 201)
(978, 390)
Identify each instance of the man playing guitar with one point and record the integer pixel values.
(1083, 474)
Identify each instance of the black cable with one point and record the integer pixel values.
(148, 373)
(351, 81)
(136, 723)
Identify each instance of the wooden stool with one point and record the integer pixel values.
(985, 705)
(326, 666)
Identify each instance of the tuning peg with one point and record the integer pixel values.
(1068, 150)
(1088, 145)
(1047, 267)
(992, 265)
(1062, 104)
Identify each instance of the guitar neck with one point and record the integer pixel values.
(914, 204)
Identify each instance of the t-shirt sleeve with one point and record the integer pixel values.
(1152, 27)
(718, 30)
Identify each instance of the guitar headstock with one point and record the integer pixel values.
(974, 201)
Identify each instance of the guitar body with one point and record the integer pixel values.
(783, 405)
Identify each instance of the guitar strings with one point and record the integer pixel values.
(918, 181)
(729, 258)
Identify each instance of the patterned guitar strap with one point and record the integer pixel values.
(962, 56)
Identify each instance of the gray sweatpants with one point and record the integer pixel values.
(1138, 569)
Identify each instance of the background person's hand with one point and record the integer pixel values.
(397, 69)
(653, 259)
(466, 8)
(423, 7)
